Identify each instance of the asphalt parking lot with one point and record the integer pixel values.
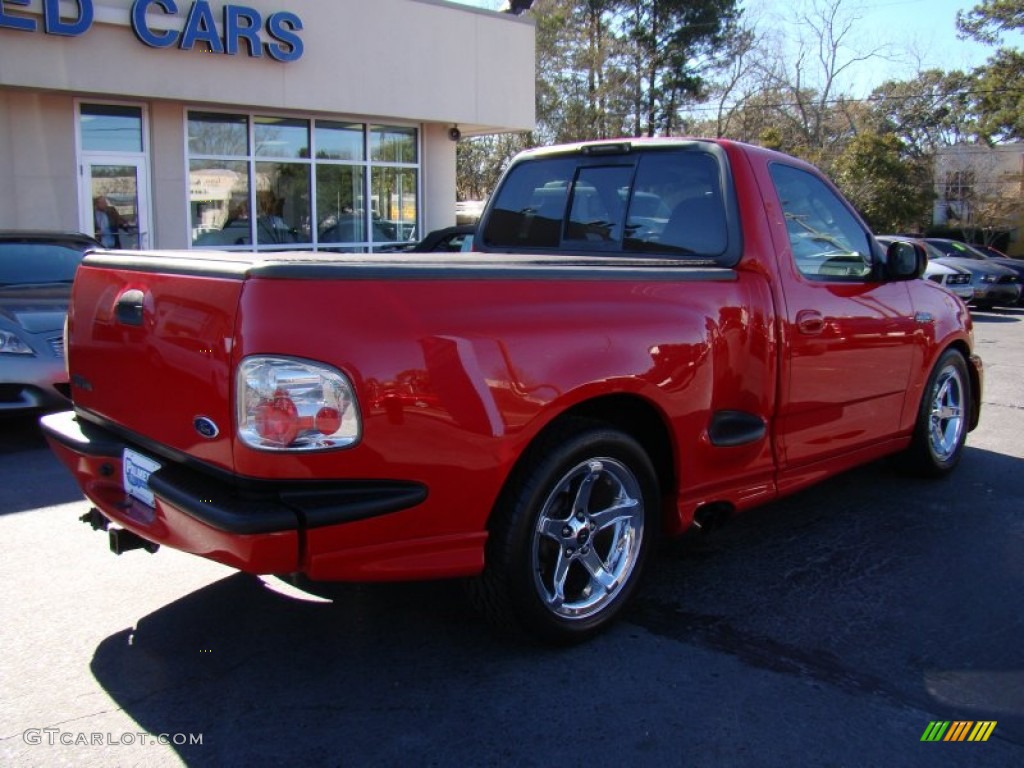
(828, 629)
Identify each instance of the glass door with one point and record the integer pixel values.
(115, 194)
(113, 161)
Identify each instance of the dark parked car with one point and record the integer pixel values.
(269, 230)
(994, 284)
(446, 240)
(351, 229)
(988, 250)
(998, 257)
(450, 239)
(36, 272)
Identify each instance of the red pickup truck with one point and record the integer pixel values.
(649, 334)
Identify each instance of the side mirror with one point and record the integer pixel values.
(905, 260)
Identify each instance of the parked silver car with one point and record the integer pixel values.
(36, 272)
(954, 279)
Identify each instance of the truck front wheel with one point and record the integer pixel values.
(571, 534)
(943, 417)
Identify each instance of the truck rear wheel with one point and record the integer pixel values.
(942, 418)
(571, 534)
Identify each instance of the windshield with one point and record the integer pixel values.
(33, 263)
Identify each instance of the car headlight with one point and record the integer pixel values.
(12, 344)
(288, 404)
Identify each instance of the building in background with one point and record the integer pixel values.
(301, 124)
(980, 192)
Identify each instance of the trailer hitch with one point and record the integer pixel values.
(123, 540)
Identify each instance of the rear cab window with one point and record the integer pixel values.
(674, 202)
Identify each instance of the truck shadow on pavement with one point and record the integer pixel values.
(872, 584)
(267, 677)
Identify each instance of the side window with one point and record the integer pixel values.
(828, 242)
(677, 205)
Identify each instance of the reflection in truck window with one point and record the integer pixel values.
(530, 206)
(827, 241)
(595, 215)
(677, 205)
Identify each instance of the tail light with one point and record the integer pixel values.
(287, 404)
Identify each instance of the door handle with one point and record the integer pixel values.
(810, 322)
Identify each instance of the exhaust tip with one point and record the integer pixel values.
(711, 517)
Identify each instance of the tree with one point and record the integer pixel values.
(889, 188)
(784, 87)
(674, 45)
(989, 19)
(480, 161)
(608, 68)
(999, 97)
(930, 111)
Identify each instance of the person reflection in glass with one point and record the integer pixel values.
(109, 223)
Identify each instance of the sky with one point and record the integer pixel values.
(917, 34)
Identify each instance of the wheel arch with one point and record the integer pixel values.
(632, 414)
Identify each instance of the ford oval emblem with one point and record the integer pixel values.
(205, 427)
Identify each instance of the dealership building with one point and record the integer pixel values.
(299, 124)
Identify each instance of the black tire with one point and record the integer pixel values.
(942, 418)
(570, 535)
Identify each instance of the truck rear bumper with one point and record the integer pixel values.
(255, 526)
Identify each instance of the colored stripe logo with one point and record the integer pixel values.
(959, 730)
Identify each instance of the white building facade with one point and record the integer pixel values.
(299, 124)
(981, 188)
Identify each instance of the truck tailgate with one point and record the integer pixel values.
(150, 348)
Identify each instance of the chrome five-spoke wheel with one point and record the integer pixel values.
(943, 418)
(570, 534)
(587, 539)
(946, 418)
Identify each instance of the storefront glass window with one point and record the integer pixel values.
(282, 202)
(219, 202)
(394, 203)
(281, 137)
(323, 171)
(339, 141)
(340, 203)
(111, 128)
(389, 144)
(213, 134)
